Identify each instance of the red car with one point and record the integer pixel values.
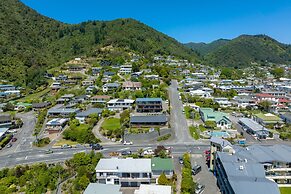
(14, 139)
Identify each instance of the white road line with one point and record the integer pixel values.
(122, 149)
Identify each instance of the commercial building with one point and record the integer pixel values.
(254, 128)
(236, 175)
(145, 105)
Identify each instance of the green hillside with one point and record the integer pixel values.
(204, 48)
(31, 43)
(246, 49)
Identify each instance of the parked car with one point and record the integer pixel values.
(96, 146)
(49, 151)
(9, 145)
(14, 139)
(181, 160)
(199, 189)
(196, 169)
(66, 146)
(127, 143)
(148, 152)
(126, 153)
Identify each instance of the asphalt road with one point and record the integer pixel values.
(60, 155)
(178, 119)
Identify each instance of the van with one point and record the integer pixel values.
(196, 169)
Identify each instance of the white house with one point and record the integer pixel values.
(119, 104)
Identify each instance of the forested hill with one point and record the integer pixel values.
(204, 48)
(30, 42)
(244, 50)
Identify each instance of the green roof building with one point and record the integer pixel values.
(221, 119)
(267, 119)
(160, 165)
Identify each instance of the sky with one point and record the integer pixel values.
(184, 20)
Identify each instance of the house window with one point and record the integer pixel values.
(108, 180)
(116, 181)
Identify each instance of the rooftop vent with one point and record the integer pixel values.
(241, 167)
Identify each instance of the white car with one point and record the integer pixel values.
(148, 152)
(127, 143)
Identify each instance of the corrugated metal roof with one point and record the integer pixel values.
(149, 119)
(96, 188)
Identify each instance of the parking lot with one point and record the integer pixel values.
(204, 177)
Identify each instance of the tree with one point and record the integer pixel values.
(278, 72)
(140, 151)
(265, 105)
(8, 107)
(163, 180)
(187, 161)
(210, 124)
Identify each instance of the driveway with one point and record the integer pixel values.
(178, 119)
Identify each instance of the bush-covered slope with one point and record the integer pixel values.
(30, 43)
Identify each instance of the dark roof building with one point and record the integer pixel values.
(148, 119)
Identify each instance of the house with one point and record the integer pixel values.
(237, 175)
(88, 83)
(61, 78)
(119, 104)
(56, 86)
(108, 74)
(110, 87)
(96, 188)
(41, 105)
(82, 116)
(100, 99)
(56, 125)
(5, 121)
(244, 101)
(81, 98)
(145, 105)
(96, 70)
(132, 86)
(152, 77)
(125, 69)
(127, 172)
(162, 165)
(5, 87)
(22, 106)
(153, 189)
(221, 119)
(65, 112)
(200, 93)
(267, 119)
(90, 89)
(223, 102)
(254, 128)
(148, 120)
(65, 98)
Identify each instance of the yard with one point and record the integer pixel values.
(35, 96)
(111, 128)
(285, 190)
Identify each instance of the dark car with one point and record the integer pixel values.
(96, 146)
(126, 153)
(196, 169)
(14, 139)
(181, 160)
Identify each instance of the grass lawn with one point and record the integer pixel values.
(111, 124)
(285, 190)
(34, 96)
(63, 141)
(194, 132)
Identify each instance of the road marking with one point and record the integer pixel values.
(26, 157)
